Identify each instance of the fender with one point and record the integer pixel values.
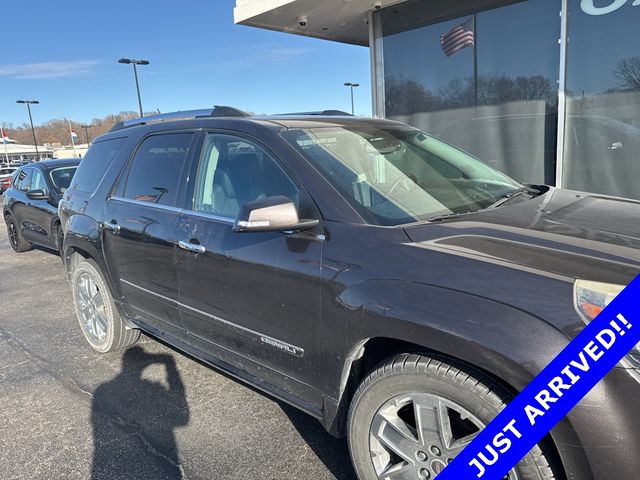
(82, 233)
(500, 340)
(85, 234)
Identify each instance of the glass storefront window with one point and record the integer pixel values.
(602, 137)
(482, 75)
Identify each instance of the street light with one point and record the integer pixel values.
(86, 131)
(134, 62)
(33, 131)
(352, 86)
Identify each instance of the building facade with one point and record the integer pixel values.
(547, 91)
(15, 153)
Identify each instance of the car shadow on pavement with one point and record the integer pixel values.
(131, 414)
(332, 452)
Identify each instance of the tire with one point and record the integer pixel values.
(387, 400)
(60, 240)
(99, 319)
(16, 240)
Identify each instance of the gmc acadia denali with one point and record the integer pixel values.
(385, 282)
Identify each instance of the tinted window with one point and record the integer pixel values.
(96, 163)
(234, 171)
(157, 169)
(23, 180)
(61, 177)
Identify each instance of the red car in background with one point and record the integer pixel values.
(6, 174)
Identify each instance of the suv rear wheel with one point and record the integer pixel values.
(17, 241)
(411, 416)
(100, 321)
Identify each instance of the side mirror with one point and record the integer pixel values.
(270, 214)
(37, 195)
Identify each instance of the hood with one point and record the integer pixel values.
(562, 232)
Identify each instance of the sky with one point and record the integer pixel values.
(65, 53)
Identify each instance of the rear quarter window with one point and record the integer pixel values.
(22, 180)
(95, 164)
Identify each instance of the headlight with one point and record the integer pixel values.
(592, 297)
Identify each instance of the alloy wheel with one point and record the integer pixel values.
(415, 436)
(91, 307)
(13, 233)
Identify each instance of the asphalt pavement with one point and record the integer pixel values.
(67, 412)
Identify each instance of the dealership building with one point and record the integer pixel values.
(547, 91)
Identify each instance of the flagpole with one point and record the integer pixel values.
(475, 58)
(4, 142)
(73, 143)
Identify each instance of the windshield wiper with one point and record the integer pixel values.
(447, 216)
(504, 198)
(513, 193)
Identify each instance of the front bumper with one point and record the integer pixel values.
(600, 438)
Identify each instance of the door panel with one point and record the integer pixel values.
(140, 235)
(141, 259)
(38, 214)
(254, 294)
(19, 203)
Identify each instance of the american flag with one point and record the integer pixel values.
(458, 38)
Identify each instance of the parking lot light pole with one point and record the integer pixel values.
(134, 62)
(352, 86)
(33, 130)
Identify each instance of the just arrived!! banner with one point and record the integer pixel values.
(553, 393)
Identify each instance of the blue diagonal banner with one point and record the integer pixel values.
(553, 393)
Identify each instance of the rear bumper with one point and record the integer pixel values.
(600, 438)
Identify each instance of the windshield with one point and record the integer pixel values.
(61, 177)
(393, 176)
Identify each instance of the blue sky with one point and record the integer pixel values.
(64, 53)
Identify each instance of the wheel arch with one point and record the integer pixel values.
(369, 353)
(385, 317)
(83, 239)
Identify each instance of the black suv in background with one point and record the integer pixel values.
(31, 203)
(383, 281)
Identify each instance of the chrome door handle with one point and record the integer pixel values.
(113, 226)
(191, 247)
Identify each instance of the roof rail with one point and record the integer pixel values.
(217, 111)
(325, 113)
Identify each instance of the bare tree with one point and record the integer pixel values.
(495, 90)
(405, 97)
(57, 131)
(627, 72)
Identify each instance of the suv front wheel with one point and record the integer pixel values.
(100, 321)
(413, 414)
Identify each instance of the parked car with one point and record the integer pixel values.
(384, 282)
(5, 178)
(31, 203)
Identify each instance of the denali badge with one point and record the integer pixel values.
(285, 347)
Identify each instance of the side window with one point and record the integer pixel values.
(95, 164)
(233, 171)
(37, 181)
(157, 169)
(24, 180)
(17, 176)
